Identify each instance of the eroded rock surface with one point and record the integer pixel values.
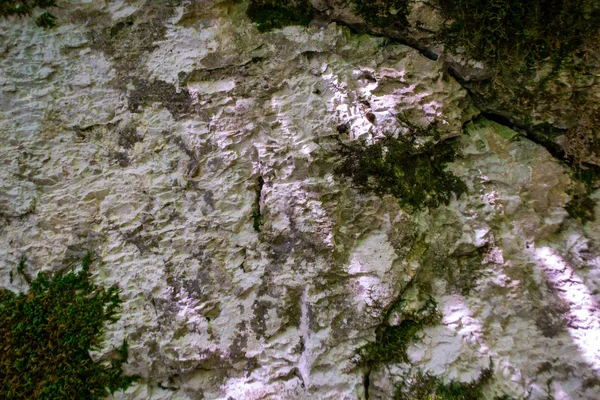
(139, 130)
(558, 106)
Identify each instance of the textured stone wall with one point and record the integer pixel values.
(139, 130)
(554, 102)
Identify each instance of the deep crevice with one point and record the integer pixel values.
(394, 39)
(553, 148)
(367, 382)
(257, 217)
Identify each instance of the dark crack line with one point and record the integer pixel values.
(552, 147)
(367, 382)
(362, 28)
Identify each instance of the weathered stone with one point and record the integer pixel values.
(139, 130)
(528, 97)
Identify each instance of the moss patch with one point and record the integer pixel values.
(46, 335)
(581, 206)
(463, 272)
(429, 387)
(25, 7)
(383, 13)
(275, 14)
(530, 30)
(391, 342)
(414, 175)
(583, 141)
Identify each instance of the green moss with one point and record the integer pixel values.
(275, 14)
(463, 272)
(25, 7)
(46, 335)
(120, 26)
(21, 270)
(391, 342)
(257, 217)
(528, 30)
(582, 206)
(414, 175)
(582, 139)
(588, 176)
(429, 387)
(46, 20)
(383, 13)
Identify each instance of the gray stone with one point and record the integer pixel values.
(146, 146)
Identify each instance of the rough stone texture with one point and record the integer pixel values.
(139, 129)
(569, 101)
(529, 307)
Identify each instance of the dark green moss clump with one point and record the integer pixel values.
(46, 335)
(415, 176)
(25, 7)
(383, 13)
(581, 206)
(275, 14)
(426, 386)
(529, 30)
(391, 342)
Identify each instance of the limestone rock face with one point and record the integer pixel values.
(527, 307)
(156, 133)
(536, 98)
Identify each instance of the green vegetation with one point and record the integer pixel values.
(429, 387)
(581, 206)
(582, 142)
(25, 7)
(46, 335)
(531, 42)
(257, 217)
(391, 342)
(383, 13)
(414, 175)
(275, 14)
(528, 30)
(463, 271)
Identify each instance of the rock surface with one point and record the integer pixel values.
(559, 107)
(139, 130)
